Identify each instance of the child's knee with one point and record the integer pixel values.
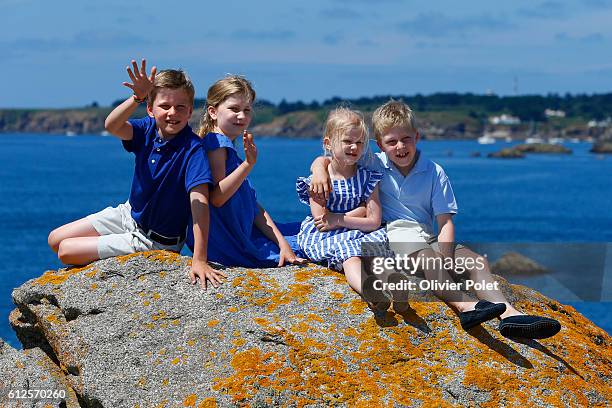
(54, 240)
(63, 250)
(68, 251)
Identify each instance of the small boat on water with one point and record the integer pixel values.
(534, 139)
(486, 139)
(556, 140)
(70, 133)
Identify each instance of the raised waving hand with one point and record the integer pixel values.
(141, 84)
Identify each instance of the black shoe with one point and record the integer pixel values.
(483, 311)
(529, 327)
(380, 307)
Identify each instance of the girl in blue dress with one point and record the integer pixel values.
(241, 233)
(352, 214)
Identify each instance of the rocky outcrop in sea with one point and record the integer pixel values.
(519, 151)
(133, 332)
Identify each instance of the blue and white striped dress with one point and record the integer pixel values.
(338, 245)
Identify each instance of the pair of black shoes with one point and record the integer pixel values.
(526, 326)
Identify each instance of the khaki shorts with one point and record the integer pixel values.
(120, 235)
(408, 237)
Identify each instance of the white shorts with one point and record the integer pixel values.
(408, 237)
(120, 235)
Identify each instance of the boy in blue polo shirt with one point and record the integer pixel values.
(170, 183)
(415, 190)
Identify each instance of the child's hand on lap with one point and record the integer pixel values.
(141, 84)
(203, 271)
(328, 221)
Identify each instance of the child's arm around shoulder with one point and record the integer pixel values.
(226, 186)
(320, 184)
(117, 121)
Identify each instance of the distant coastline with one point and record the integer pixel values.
(440, 116)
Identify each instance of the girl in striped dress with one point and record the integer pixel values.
(352, 214)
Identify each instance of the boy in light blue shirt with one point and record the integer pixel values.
(415, 190)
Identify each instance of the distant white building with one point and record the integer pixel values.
(551, 113)
(504, 119)
(600, 123)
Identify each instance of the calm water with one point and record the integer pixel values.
(50, 180)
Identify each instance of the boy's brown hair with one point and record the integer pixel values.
(172, 79)
(392, 114)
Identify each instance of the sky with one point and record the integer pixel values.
(72, 53)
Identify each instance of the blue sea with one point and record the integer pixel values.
(49, 180)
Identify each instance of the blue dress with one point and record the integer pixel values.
(233, 238)
(338, 245)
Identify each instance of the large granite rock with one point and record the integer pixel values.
(132, 332)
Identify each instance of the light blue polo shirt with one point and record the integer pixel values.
(420, 196)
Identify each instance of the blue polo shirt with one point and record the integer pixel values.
(164, 173)
(420, 196)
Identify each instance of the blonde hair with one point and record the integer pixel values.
(392, 114)
(219, 92)
(341, 121)
(172, 79)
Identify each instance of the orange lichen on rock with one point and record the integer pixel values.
(260, 290)
(302, 275)
(318, 372)
(157, 256)
(239, 342)
(261, 321)
(60, 276)
(336, 295)
(208, 403)
(299, 292)
(249, 366)
(212, 323)
(356, 306)
(162, 314)
(380, 366)
(52, 318)
(190, 401)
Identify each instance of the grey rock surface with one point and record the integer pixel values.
(132, 332)
(29, 378)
